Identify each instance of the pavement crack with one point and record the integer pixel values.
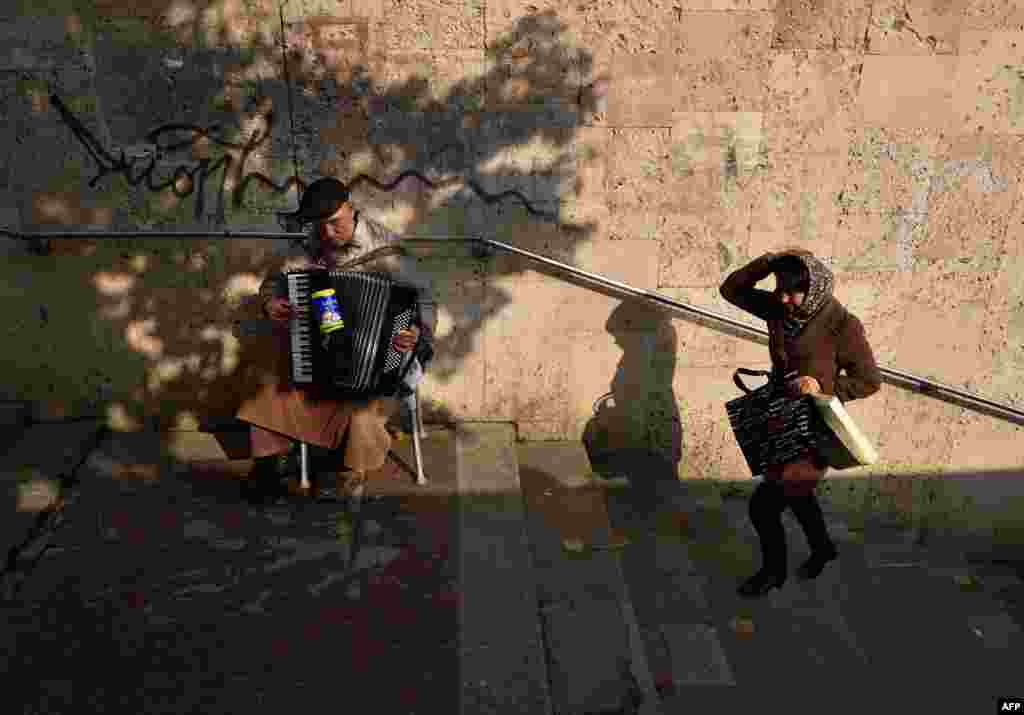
(22, 558)
(543, 607)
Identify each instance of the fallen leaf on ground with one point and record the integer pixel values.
(38, 495)
(573, 545)
(743, 627)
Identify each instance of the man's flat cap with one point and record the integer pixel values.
(320, 200)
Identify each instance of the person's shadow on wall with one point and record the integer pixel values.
(636, 431)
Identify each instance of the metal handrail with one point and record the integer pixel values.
(926, 387)
(88, 235)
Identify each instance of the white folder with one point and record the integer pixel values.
(845, 446)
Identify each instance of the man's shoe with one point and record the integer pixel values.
(327, 494)
(353, 489)
(347, 485)
(812, 567)
(761, 583)
(263, 486)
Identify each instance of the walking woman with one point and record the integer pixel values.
(812, 333)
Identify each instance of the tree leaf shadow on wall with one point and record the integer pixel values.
(178, 304)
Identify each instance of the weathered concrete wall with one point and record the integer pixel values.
(672, 142)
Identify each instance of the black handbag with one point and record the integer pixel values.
(772, 427)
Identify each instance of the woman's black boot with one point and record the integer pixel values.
(813, 566)
(766, 506)
(807, 511)
(761, 583)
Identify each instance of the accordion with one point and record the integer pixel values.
(358, 359)
(772, 427)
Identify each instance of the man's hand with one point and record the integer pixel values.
(406, 340)
(803, 385)
(279, 309)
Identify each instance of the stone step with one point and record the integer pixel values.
(947, 633)
(198, 446)
(225, 455)
(437, 446)
(503, 664)
(595, 649)
(566, 462)
(500, 638)
(256, 581)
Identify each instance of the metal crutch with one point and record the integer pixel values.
(304, 465)
(417, 426)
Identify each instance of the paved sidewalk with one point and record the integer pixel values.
(889, 614)
(164, 593)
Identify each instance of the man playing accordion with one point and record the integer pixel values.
(353, 430)
(811, 333)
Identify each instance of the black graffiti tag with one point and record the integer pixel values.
(198, 175)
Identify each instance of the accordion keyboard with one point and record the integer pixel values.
(301, 334)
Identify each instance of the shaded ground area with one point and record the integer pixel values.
(889, 612)
(161, 592)
(175, 597)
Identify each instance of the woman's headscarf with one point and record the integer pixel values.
(818, 294)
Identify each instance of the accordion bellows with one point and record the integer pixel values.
(773, 428)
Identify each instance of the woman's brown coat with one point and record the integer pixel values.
(832, 347)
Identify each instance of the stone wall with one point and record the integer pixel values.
(662, 145)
